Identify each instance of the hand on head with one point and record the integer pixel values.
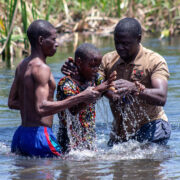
(69, 68)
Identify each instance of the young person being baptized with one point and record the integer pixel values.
(77, 127)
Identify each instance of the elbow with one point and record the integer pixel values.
(41, 112)
(11, 105)
(163, 101)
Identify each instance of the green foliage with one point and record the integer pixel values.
(7, 27)
(154, 15)
(50, 8)
(25, 23)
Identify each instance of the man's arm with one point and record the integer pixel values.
(45, 107)
(70, 69)
(100, 88)
(155, 96)
(13, 100)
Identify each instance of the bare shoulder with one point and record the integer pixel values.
(22, 65)
(40, 71)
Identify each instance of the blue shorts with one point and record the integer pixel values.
(35, 141)
(157, 131)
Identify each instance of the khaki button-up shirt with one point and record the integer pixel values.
(147, 65)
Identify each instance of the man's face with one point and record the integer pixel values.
(126, 45)
(89, 68)
(49, 44)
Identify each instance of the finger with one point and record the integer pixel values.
(90, 88)
(116, 97)
(112, 77)
(69, 62)
(121, 90)
(120, 85)
(70, 59)
(112, 89)
(70, 66)
(69, 71)
(113, 74)
(66, 73)
(64, 66)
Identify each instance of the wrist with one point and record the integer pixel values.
(139, 88)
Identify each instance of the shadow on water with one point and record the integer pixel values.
(130, 160)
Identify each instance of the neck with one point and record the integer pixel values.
(132, 58)
(37, 53)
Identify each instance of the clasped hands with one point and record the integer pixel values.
(123, 88)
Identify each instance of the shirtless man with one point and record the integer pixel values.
(32, 93)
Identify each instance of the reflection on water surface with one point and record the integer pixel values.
(127, 161)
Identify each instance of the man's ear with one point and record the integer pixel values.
(40, 40)
(139, 38)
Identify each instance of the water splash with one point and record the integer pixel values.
(4, 148)
(126, 151)
(80, 138)
(131, 112)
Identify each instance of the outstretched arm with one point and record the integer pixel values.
(103, 87)
(45, 107)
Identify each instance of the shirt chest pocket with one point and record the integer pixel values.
(138, 75)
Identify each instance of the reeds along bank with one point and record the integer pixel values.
(78, 15)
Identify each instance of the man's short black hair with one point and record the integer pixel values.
(129, 25)
(38, 28)
(86, 51)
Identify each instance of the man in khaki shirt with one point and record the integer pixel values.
(138, 112)
(141, 87)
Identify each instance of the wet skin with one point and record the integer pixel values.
(87, 70)
(33, 87)
(127, 47)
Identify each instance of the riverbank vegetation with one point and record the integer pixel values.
(96, 16)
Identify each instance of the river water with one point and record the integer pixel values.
(130, 160)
